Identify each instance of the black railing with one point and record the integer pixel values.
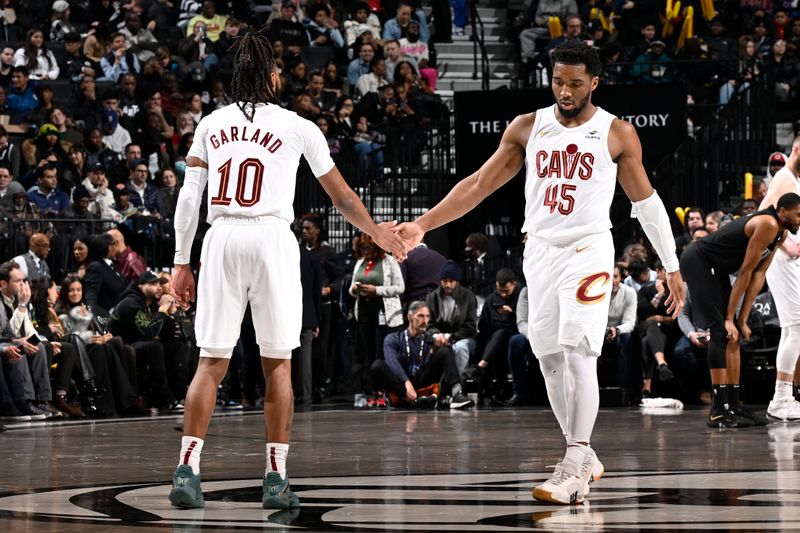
(478, 45)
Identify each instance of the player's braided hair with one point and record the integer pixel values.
(254, 62)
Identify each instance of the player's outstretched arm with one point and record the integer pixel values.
(503, 165)
(352, 209)
(647, 207)
(187, 215)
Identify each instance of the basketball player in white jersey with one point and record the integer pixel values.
(248, 153)
(574, 152)
(783, 277)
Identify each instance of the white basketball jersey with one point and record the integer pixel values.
(252, 166)
(570, 178)
(796, 181)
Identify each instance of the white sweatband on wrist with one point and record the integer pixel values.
(187, 212)
(654, 219)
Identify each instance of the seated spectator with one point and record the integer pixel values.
(362, 16)
(394, 55)
(496, 325)
(290, 32)
(130, 264)
(143, 193)
(334, 83)
(322, 29)
(639, 275)
(45, 195)
(169, 189)
(233, 26)
(214, 23)
(656, 329)
(138, 40)
(397, 27)
(693, 218)
(197, 47)
(100, 196)
(33, 263)
(68, 135)
(654, 66)
(125, 211)
(619, 330)
(22, 97)
(414, 47)
(119, 60)
(80, 257)
(114, 135)
(6, 64)
(478, 265)
(60, 25)
(79, 210)
(138, 319)
(73, 64)
(712, 220)
(296, 79)
(40, 62)
(360, 65)
(786, 71)
(377, 284)
(454, 315)
(98, 152)
(520, 356)
(5, 190)
(47, 142)
(87, 105)
(691, 348)
(369, 83)
(10, 153)
(412, 362)
(103, 283)
(369, 149)
(325, 101)
(634, 251)
(537, 19)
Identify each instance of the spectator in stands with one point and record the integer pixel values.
(639, 275)
(233, 27)
(654, 66)
(125, 210)
(5, 190)
(45, 194)
(119, 60)
(44, 146)
(369, 83)
(539, 24)
(693, 218)
(397, 27)
(574, 30)
(168, 188)
(22, 97)
(143, 193)
(79, 210)
(33, 263)
(690, 348)
(6, 64)
(9, 153)
(377, 284)
(80, 257)
(33, 394)
(60, 25)
(657, 329)
(138, 319)
(296, 80)
(520, 355)
(198, 47)
(414, 47)
(454, 315)
(114, 136)
(103, 283)
(68, 135)
(619, 330)
(214, 23)
(138, 40)
(73, 64)
(285, 29)
(130, 264)
(496, 325)
(786, 71)
(479, 267)
(40, 62)
(394, 55)
(324, 101)
(96, 46)
(776, 161)
(412, 362)
(334, 83)
(362, 16)
(759, 190)
(719, 44)
(712, 221)
(88, 107)
(322, 29)
(98, 152)
(748, 207)
(361, 65)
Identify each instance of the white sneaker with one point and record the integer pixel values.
(784, 409)
(591, 470)
(563, 487)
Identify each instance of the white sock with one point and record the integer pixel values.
(584, 398)
(190, 453)
(276, 458)
(575, 455)
(783, 390)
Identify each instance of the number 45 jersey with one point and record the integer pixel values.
(252, 166)
(570, 178)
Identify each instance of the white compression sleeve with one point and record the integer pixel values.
(187, 212)
(654, 219)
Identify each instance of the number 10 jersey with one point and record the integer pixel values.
(252, 166)
(570, 178)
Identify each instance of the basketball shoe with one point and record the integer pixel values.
(591, 470)
(566, 486)
(186, 492)
(277, 494)
(784, 409)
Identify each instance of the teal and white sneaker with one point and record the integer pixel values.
(277, 494)
(186, 492)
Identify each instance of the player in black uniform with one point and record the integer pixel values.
(746, 246)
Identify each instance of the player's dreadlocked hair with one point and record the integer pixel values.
(577, 52)
(254, 63)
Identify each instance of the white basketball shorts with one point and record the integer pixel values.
(254, 260)
(569, 291)
(783, 277)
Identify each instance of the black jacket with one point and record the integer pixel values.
(133, 319)
(464, 326)
(491, 320)
(332, 270)
(311, 278)
(421, 272)
(103, 285)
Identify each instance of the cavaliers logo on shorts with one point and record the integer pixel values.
(587, 293)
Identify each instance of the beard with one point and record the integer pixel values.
(575, 111)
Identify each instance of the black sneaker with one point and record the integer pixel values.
(723, 418)
(461, 401)
(664, 373)
(426, 402)
(754, 419)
